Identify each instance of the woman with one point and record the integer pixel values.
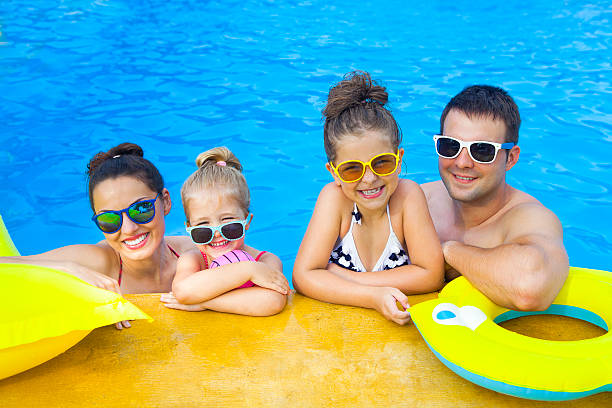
(129, 201)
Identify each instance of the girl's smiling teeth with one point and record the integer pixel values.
(371, 193)
(136, 242)
(219, 244)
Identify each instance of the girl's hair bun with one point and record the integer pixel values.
(219, 172)
(356, 105)
(218, 156)
(357, 88)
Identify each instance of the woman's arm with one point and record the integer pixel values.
(94, 264)
(312, 278)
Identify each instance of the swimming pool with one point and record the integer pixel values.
(183, 76)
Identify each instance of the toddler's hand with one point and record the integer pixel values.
(386, 304)
(267, 277)
(171, 303)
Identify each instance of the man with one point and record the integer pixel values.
(504, 241)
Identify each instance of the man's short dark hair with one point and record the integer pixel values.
(486, 101)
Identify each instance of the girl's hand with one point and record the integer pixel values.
(270, 278)
(386, 304)
(171, 303)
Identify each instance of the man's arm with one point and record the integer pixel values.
(527, 271)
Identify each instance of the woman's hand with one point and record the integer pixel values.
(267, 277)
(171, 303)
(99, 280)
(386, 301)
(92, 277)
(121, 325)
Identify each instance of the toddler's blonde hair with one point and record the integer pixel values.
(218, 170)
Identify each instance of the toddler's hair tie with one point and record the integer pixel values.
(221, 163)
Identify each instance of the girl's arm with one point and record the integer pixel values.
(194, 284)
(426, 271)
(253, 301)
(94, 264)
(312, 278)
(268, 258)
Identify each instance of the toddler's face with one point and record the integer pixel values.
(211, 208)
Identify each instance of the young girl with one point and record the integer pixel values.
(371, 239)
(223, 273)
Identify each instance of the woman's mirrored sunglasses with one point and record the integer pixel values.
(203, 234)
(141, 212)
(351, 171)
(480, 151)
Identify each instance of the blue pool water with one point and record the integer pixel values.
(179, 77)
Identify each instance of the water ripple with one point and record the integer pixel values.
(181, 77)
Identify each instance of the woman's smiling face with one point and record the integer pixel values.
(133, 241)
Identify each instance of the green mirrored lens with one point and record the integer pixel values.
(141, 212)
(109, 222)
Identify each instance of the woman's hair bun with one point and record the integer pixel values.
(123, 149)
(356, 88)
(218, 156)
(126, 149)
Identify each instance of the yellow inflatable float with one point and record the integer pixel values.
(461, 328)
(44, 312)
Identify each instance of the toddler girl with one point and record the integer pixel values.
(371, 239)
(223, 273)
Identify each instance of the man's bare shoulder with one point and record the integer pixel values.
(521, 202)
(526, 215)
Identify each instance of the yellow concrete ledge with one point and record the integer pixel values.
(312, 355)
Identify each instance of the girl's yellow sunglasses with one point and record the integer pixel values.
(351, 171)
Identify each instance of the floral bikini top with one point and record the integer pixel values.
(345, 252)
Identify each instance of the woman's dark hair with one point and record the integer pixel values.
(357, 105)
(486, 101)
(125, 159)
